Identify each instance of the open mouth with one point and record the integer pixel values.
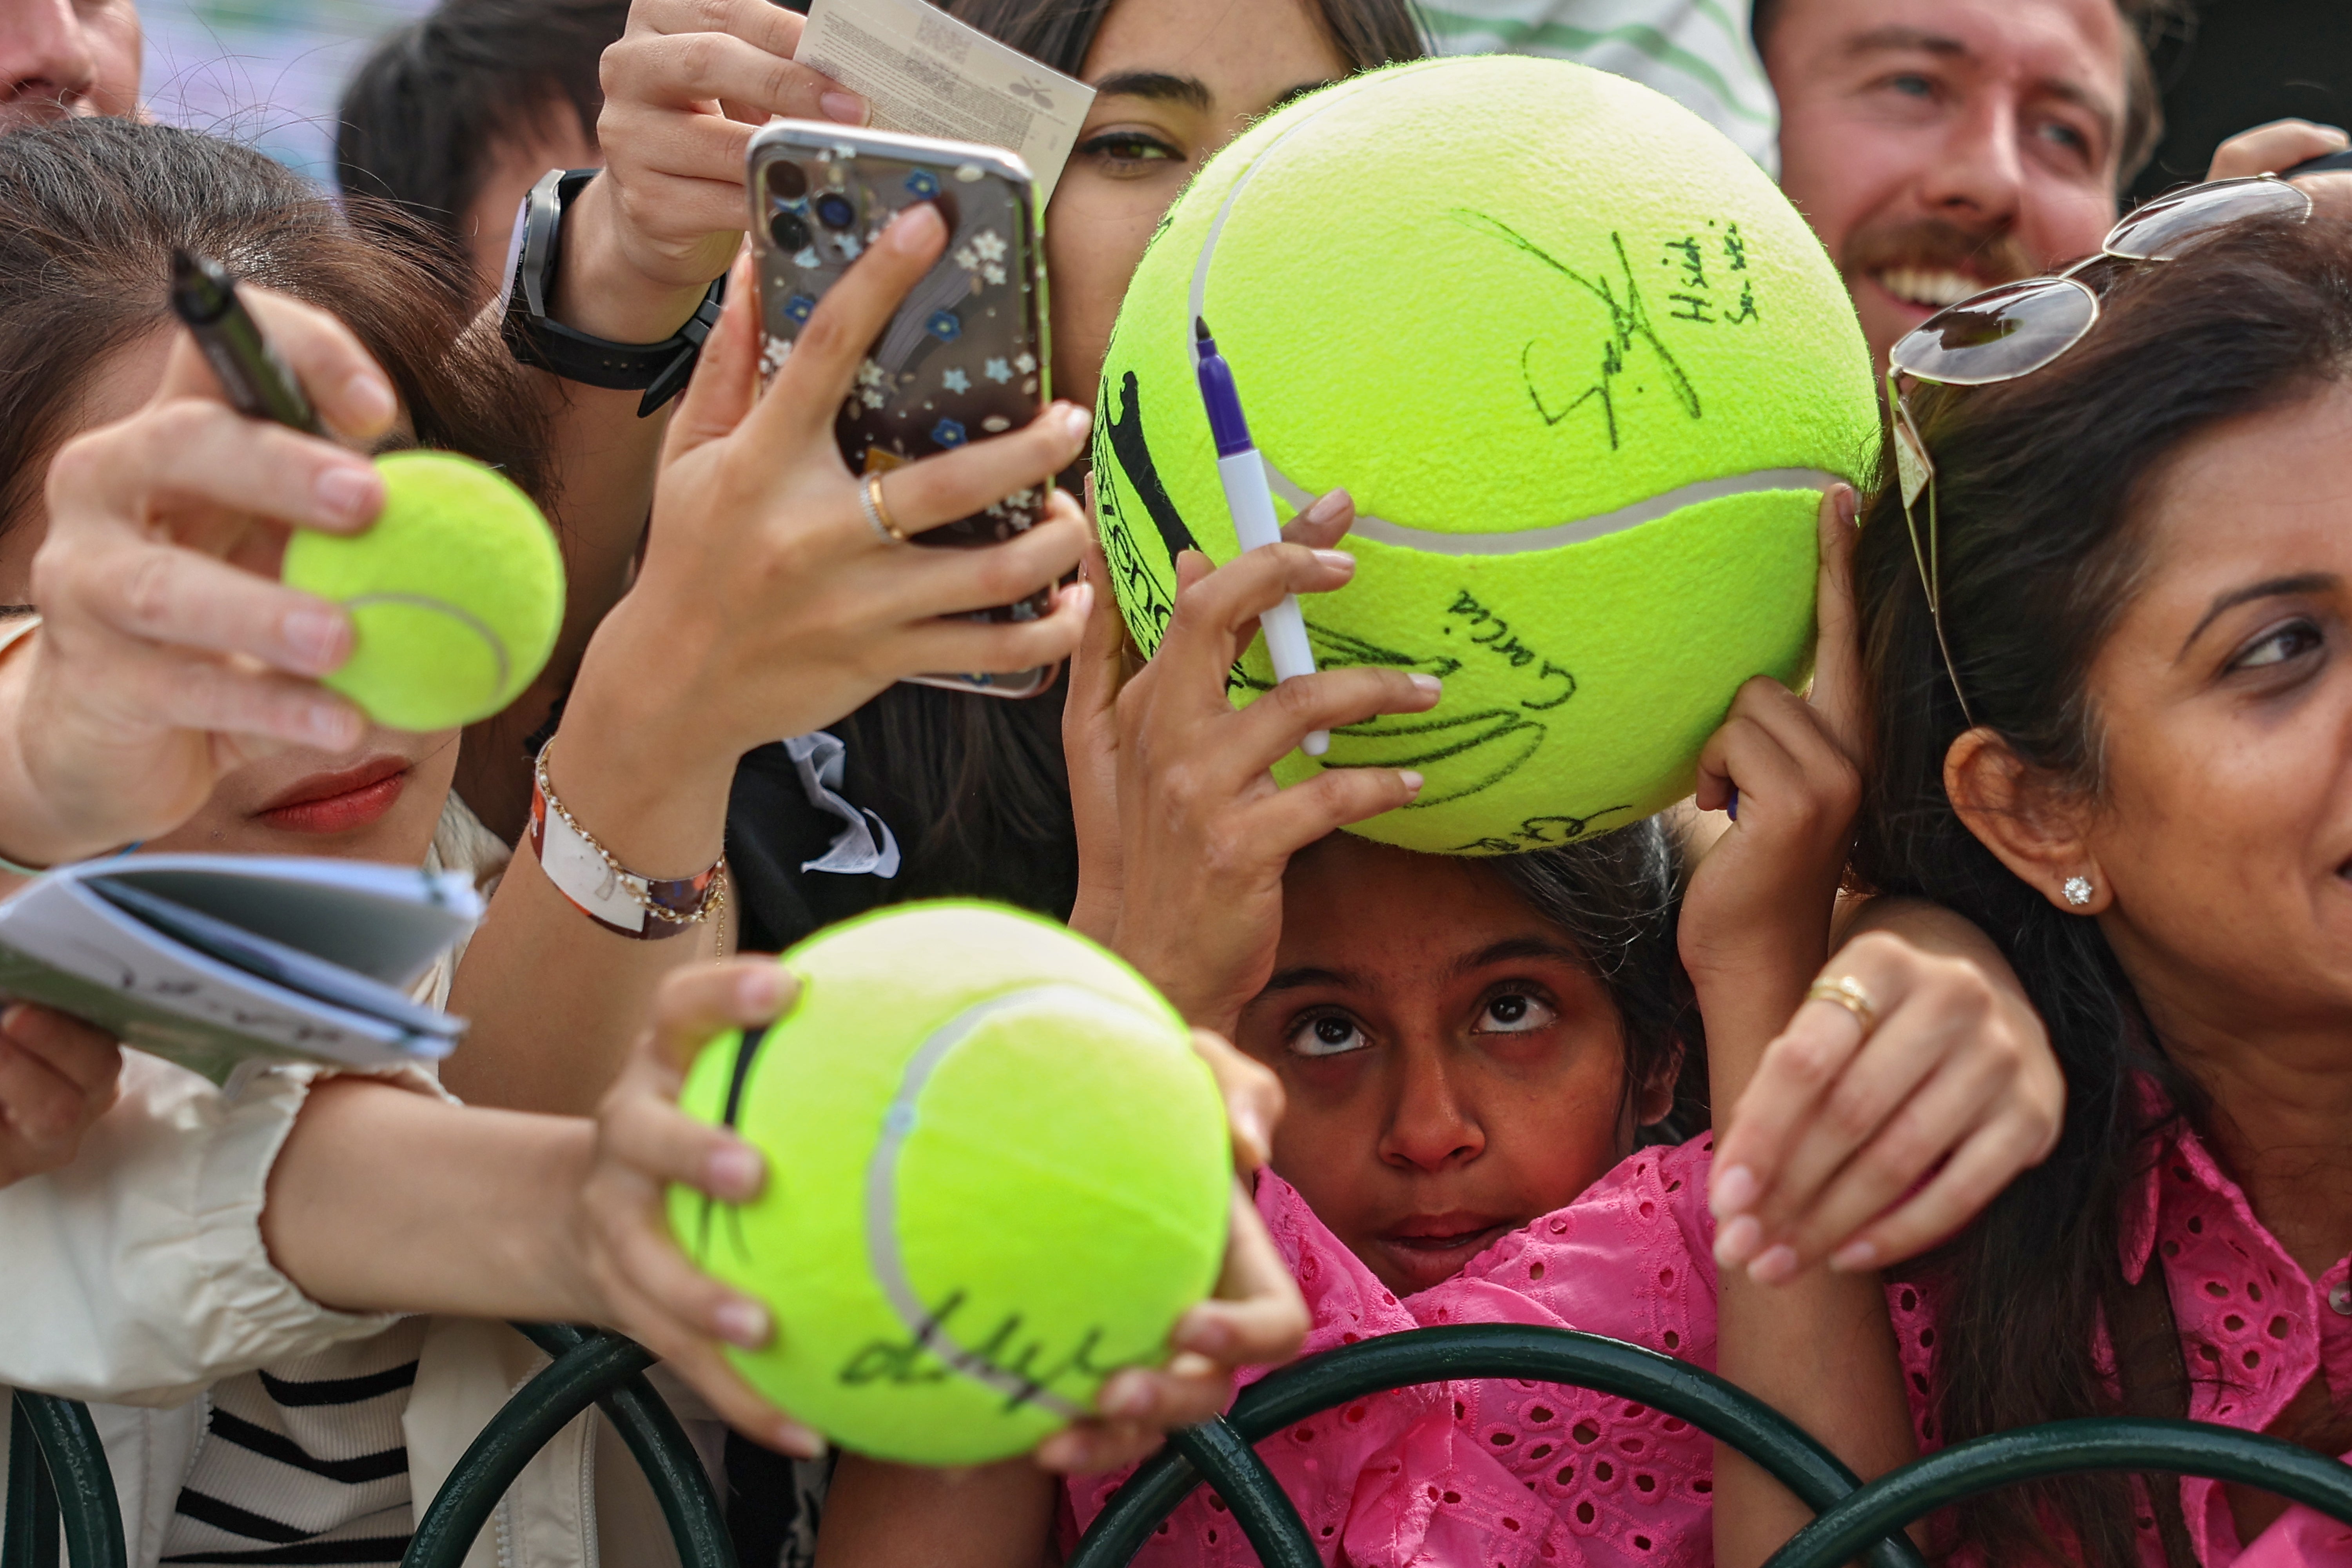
(1930, 288)
(339, 802)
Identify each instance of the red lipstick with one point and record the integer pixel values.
(339, 802)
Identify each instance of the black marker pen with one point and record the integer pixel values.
(258, 381)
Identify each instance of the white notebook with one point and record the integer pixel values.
(212, 960)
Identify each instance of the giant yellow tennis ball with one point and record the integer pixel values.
(456, 593)
(1585, 372)
(997, 1173)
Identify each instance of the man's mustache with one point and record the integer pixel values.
(1931, 244)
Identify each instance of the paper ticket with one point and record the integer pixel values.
(928, 74)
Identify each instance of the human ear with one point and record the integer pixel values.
(2027, 818)
(1655, 1098)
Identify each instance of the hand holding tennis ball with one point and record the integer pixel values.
(456, 593)
(998, 1172)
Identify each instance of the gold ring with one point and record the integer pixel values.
(1846, 992)
(878, 515)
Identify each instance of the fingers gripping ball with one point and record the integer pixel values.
(1585, 372)
(997, 1173)
(456, 593)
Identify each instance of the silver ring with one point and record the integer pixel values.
(878, 516)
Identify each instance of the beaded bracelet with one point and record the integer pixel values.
(642, 907)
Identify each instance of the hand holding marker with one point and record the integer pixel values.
(1243, 472)
(456, 592)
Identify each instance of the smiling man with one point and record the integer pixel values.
(1941, 146)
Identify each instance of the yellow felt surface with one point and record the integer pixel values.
(458, 556)
(1061, 1196)
(1571, 299)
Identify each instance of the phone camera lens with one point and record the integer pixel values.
(834, 210)
(789, 232)
(787, 182)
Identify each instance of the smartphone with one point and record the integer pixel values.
(965, 355)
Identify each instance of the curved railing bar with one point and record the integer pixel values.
(1901, 1497)
(1722, 1410)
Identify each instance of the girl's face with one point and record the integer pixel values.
(379, 802)
(1174, 80)
(2224, 837)
(1453, 1069)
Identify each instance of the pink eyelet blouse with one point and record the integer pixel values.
(1498, 1473)
(1494, 1473)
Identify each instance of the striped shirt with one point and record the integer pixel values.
(304, 1462)
(1698, 52)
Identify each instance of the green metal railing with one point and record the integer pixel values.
(60, 1491)
(1221, 1451)
(58, 1487)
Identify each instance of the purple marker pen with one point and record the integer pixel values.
(1248, 496)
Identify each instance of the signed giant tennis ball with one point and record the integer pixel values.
(456, 593)
(1585, 372)
(997, 1173)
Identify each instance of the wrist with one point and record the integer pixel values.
(603, 288)
(649, 789)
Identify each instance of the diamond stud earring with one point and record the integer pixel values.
(2077, 891)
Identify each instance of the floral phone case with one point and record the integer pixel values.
(965, 357)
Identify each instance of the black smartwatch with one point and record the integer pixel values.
(658, 370)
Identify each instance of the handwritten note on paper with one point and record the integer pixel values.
(928, 74)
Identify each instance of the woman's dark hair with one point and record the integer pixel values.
(1617, 897)
(2040, 484)
(437, 100)
(90, 210)
(1367, 33)
(976, 783)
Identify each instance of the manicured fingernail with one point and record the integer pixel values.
(1737, 1242)
(1731, 806)
(733, 1170)
(1063, 1452)
(1127, 1396)
(1328, 505)
(318, 637)
(1429, 683)
(845, 107)
(742, 1323)
(761, 990)
(349, 492)
(1734, 1189)
(1410, 779)
(1854, 1257)
(1077, 421)
(368, 400)
(1848, 506)
(334, 726)
(915, 229)
(1337, 560)
(799, 1441)
(1775, 1264)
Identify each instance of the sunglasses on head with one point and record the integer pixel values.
(2012, 330)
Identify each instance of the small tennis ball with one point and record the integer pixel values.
(455, 592)
(1585, 372)
(997, 1173)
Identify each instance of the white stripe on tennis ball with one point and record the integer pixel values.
(1514, 542)
(458, 613)
(898, 1124)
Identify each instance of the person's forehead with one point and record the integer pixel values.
(2076, 44)
(1245, 53)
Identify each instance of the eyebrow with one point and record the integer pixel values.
(1898, 38)
(2276, 587)
(1882, 40)
(1519, 949)
(1300, 979)
(1161, 86)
